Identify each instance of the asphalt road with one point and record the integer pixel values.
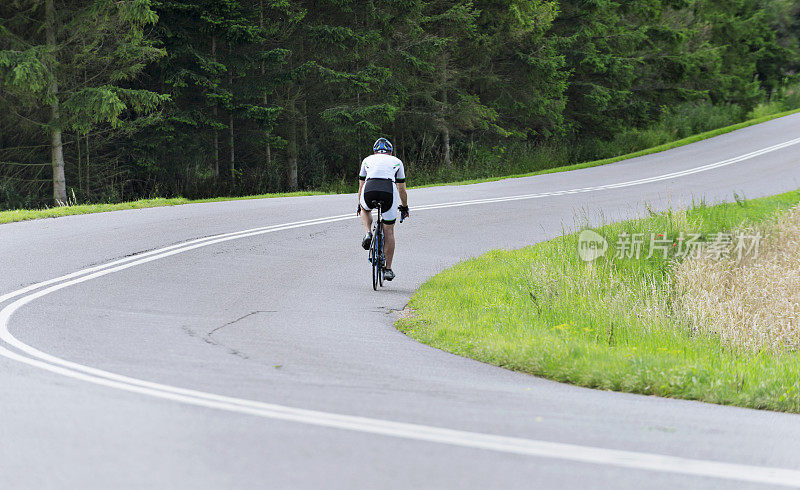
(299, 379)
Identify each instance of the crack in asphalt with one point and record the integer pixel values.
(239, 319)
(211, 341)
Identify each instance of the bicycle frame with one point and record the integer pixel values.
(376, 256)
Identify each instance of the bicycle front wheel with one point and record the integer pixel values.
(381, 261)
(376, 266)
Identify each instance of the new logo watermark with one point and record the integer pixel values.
(593, 245)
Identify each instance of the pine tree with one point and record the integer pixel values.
(749, 54)
(602, 56)
(452, 32)
(520, 74)
(347, 91)
(75, 75)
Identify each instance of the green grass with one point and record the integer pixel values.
(54, 212)
(543, 311)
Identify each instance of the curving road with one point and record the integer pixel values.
(169, 347)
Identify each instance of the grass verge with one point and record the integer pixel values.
(610, 324)
(605, 161)
(54, 212)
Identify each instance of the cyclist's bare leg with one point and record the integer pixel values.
(388, 243)
(366, 219)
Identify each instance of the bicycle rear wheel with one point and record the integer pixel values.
(375, 259)
(381, 261)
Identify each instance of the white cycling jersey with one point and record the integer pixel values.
(382, 166)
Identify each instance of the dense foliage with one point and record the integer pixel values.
(105, 100)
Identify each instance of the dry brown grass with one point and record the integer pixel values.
(752, 303)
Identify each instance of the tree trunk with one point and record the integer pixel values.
(291, 148)
(267, 146)
(230, 125)
(215, 169)
(233, 147)
(86, 178)
(57, 154)
(56, 145)
(446, 145)
(305, 124)
(445, 131)
(86, 190)
(79, 160)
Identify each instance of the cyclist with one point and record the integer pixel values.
(382, 180)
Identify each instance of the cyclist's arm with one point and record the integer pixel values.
(362, 177)
(401, 189)
(400, 181)
(360, 187)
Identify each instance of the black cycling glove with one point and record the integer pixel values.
(403, 211)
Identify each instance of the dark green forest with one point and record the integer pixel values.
(112, 100)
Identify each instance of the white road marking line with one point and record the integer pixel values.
(32, 287)
(309, 222)
(628, 459)
(648, 180)
(475, 440)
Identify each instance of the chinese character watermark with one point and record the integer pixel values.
(717, 246)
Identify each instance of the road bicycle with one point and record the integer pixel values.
(376, 256)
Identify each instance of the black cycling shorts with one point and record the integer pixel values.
(379, 192)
